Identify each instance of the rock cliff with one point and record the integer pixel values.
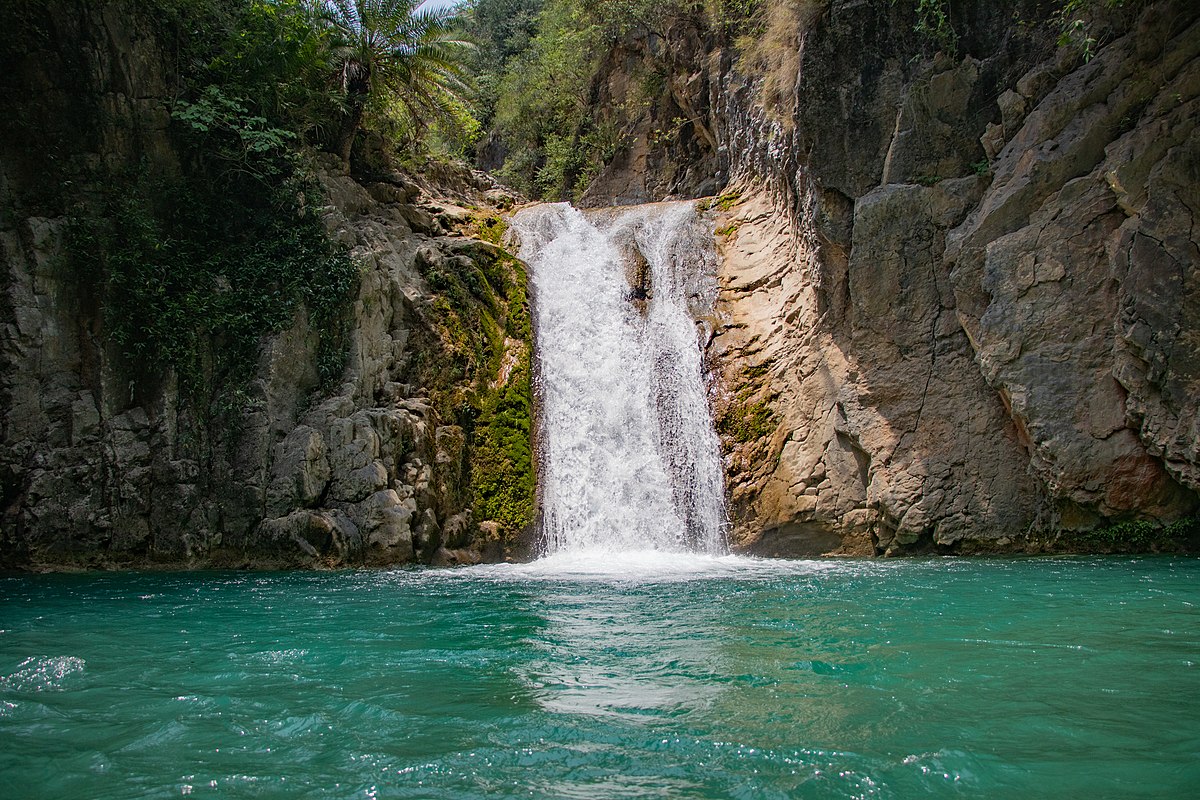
(960, 270)
(961, 289)
(105, 463)
(959, 312)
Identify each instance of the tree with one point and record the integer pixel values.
(395, 60)
(502, 30)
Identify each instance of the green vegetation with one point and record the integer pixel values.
(542, 110)
(196, 261)
(502, 472)
(1085, 24)
(755, 371)
(933, 22)
(557, 123)
(488, 227)
(485, 382)
(200, 242)
(501, 31)
(192, 276)
(744, 421)
(403, 65)
(557, 117)
(727, 201)
(1139, 535)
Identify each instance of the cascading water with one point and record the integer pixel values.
(630, 460)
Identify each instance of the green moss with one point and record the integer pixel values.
(487, 227)
(746, 423)
(756, 371)
(502, 469)
(482, 380)
(727, 201)
(501, 447)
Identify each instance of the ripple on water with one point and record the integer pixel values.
(43, 674)
(664, 676)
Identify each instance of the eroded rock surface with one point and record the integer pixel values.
(103, 464)
(967, 363)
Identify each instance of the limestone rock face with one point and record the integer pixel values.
(103, 465)
(1077, 278)
(960, 293)
(94, 477)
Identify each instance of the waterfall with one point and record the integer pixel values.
(630, 460)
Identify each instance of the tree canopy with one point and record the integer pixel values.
(402, 65)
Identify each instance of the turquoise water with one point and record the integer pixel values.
(721, 678)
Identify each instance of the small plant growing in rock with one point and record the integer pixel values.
(933, 22)
(728, 231)
(1077, 23)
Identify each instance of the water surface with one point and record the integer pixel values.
(608, 677)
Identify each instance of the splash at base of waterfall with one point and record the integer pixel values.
(630, 460)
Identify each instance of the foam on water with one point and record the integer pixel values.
(645, 566)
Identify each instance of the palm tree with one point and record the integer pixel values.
(395, 59)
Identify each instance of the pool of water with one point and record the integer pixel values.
(602, 677)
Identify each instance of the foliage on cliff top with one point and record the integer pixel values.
(397, 64)
(553, 137)
(198, 256)
(328, 69)
(501, 30)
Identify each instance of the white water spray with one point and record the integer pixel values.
(630, 460)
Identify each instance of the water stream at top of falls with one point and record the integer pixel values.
(630, 460)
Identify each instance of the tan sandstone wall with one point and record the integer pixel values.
(958, 354)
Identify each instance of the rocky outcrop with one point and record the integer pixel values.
(1076, 277)
(961, 291)
(370, 473)
(104, 463)
(657, 91)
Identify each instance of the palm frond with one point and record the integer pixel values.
(407, 63)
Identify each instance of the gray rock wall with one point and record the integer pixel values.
(965, 287)
(102, 464)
